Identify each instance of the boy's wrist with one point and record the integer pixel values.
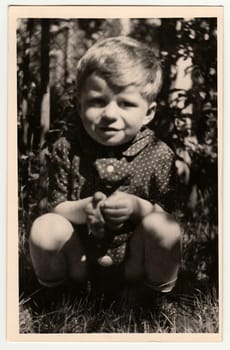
(141, 208)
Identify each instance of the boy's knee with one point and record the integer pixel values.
(50, 232)
(163, 229)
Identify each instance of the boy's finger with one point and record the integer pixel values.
(119, 220)
(115, 217)
(98, 196)
(89, 210)
(115, 212)
(113, 204)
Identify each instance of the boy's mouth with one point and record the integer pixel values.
(109, 129)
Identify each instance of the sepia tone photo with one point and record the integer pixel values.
(118, 173)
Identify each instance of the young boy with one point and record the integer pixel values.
(111, 179)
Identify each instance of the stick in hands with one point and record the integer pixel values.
(95, 220)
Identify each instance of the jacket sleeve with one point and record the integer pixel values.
(59, 173)
(165, 181)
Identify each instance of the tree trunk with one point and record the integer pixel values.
(45, 96)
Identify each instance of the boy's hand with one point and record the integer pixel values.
(95, 219)
(118, 208)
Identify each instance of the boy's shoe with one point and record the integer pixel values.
(49, 298)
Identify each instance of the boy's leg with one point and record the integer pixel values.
(156, 246)
(56, 250)
(134, 260)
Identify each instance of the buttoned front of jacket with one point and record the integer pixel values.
(144, 167)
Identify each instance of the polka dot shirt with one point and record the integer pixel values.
(79, 167)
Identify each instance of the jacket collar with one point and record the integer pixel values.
(141, 140)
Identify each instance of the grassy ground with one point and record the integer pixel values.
(191, 308)
(197, 313)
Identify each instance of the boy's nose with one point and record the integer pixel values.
(110, 112)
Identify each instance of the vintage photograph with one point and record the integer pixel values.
(118, 174)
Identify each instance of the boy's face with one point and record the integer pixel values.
(111, 117)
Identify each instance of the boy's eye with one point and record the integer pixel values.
(96, 102)
(127, 104)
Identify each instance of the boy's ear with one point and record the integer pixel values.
(150, 114)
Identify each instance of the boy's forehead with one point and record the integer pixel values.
(97, 82)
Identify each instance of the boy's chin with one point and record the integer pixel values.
(111, 143)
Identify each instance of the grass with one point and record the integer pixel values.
(191, 308)
(197, 313)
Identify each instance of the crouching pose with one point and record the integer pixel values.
(111, 182)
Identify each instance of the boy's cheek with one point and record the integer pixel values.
(90, 113)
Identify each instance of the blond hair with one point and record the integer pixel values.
(122, 61)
